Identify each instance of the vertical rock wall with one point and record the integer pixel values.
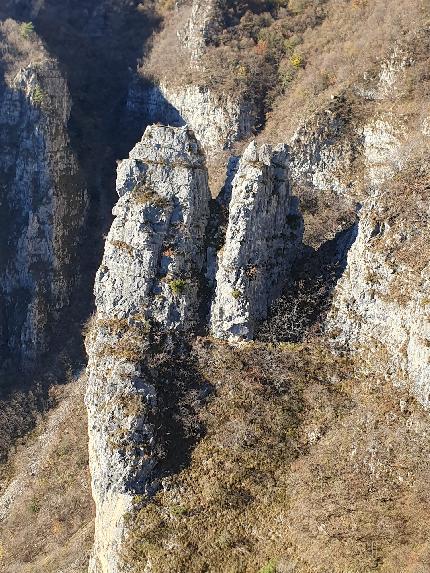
(263, 237)
(381, 301)
(382, 306)
(149, 281)
(217, 120)
(43, 210)
(205, 21)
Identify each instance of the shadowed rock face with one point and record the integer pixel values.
(44, 204)
(149, 281)
(263, 237)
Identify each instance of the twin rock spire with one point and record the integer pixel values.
(160, 274)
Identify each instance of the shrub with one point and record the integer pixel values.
(123, 246)
(34, 506)
(296, 60)
(177, 286)
(143, 194)
(38, 96)
(131, 342)
(269, 568)
(27, 29)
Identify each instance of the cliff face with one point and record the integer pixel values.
(217, 120)
(173, 270)
(44, 204)
(205, 20)
(149, 286)
(327, 149)
(263, 239)
(149, 282)
(381, 304)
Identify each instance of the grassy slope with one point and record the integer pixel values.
(310, 464)
(45, 499)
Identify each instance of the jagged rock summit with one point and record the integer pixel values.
(150, 285)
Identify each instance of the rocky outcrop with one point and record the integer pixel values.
(217, 120)
(205, 21)
(326, 150)
(43, 209)
(381, 301)
(382, 306)
(149, 286)
(217, 117)
(148, 282)
(382, 143)
(262, 241)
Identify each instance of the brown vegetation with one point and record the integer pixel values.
(304, 466)
(145, 195)
(19, 47)
(290, 57)
(48, 523)
(347, 49)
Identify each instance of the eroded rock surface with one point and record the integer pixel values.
(382, 305)
(217, 120)
(326, 149)
(381, 302)
(43, 210)
(262, 241)
(149, 281)
(206, 20)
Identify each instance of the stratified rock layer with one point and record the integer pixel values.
(263, 239)
(149, 281)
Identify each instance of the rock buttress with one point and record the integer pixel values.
(44, 204)
(148, 283)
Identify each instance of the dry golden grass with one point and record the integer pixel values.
(48, 525)
(306, 467)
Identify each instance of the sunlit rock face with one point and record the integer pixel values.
(381, 301)
(149, 280)
(263, 239)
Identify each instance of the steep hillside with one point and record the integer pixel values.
(304, 467)
(46, 511)
(258, 371)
